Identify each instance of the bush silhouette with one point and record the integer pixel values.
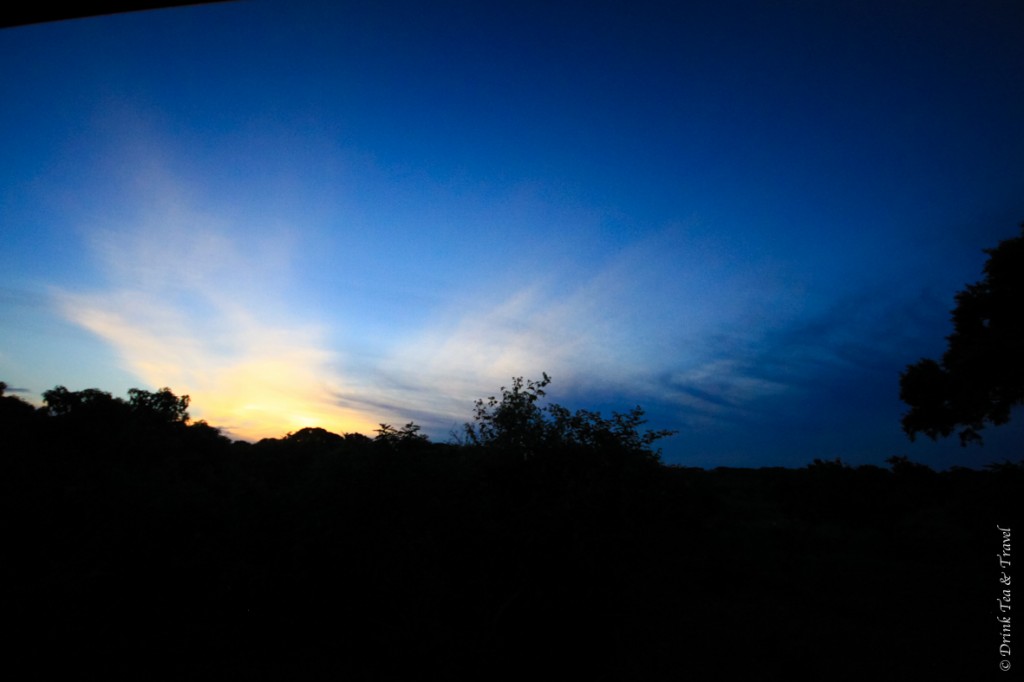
(518, 423)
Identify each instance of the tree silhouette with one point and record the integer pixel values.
(406, 438)
(513, 422)
(314, 437)
(15, 413)
(90, 404)
(518, 423)
(981, 375)
(378, 561)
(163, 405)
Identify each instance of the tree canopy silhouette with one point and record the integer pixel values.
(517, 422)
(980, 377)
(552, 541)
(163, 405)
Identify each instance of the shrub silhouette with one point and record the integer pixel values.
(406, 438)
(518, 423)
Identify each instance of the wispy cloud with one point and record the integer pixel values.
(190, 303)
(435, 372)
(252, 377)
(615, 330)
(839, 360)
(222, 306)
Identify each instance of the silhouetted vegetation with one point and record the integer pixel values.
(980, 378)
(546, 544)
(517, 423)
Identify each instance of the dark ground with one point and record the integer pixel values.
(171, 553)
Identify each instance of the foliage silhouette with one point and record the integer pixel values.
(518, 423)
(160, 407)
(138, 543)
(17, 419)
(90, 403)
(14, 406)
(514, 422)
(980, 377)
(163, 405)
(406, 438)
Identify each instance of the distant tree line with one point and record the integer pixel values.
(140, 544)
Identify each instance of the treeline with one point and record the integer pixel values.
(543, 543)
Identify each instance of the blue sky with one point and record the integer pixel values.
(746, 217)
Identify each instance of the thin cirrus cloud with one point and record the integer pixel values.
(191, 305)
(186, 306)
(188, 302)
(434, 373)
(254, 380)
(615, 332)
(223, 306)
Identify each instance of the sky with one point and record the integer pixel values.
(746, 217)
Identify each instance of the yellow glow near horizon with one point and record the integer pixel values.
(202, 309)
(269, 397)
(271, 383)
(274, 415)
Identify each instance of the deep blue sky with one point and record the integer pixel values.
(747, 217)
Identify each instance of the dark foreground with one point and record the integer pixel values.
(313, 556)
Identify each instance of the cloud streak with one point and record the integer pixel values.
(616, 331)
(254, 379)
(218, 304)
(190, 305)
